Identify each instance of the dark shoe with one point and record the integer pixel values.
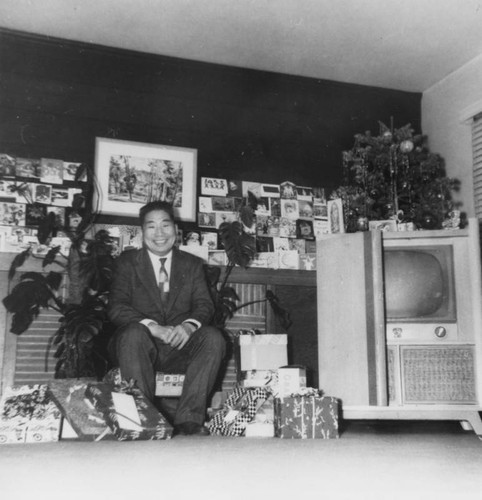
(190, 429)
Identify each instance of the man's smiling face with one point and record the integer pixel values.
(159, 232)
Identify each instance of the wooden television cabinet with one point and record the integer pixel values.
(393, 361)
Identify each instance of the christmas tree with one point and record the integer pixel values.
(394, 176)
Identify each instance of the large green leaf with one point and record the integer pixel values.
(18, 261)
(282, 314)
(46, 228)
(51, 255)
(240, 246)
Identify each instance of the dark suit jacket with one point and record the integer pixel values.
(135, 296)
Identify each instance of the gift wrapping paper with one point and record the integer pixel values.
(153, 425)
(259, 429)
(306, 417)
(28, 415)
(259, 378)
(169, 384)
(87, 422)
(239, 409)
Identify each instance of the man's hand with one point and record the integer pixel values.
(162, 333)
(180, 335)
(175, 336)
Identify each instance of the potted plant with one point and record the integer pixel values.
(80, 339)
(240, 247)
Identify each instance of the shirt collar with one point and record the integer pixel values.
(155, 258)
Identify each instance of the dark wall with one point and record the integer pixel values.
(57, 96)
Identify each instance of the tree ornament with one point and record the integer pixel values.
(387, 137)
(388, 210)
(385, 133)
(406, 146)
(428, 221)
(362, 224)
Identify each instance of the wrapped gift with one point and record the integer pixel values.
(128, 413)
(169, 384)
(28, 415)
(262, 352)
(239, 409)
(259, 429)
(291, 379)
(259, 378)
(308, 415)
(87, 422)
(262, 424)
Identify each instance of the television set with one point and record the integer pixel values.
(420, 291)
(399, 322)
(419, 284)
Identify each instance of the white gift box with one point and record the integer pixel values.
(263, 352)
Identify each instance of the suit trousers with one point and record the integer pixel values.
(139, 356)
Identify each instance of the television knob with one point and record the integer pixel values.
(397, 332)
(440, 332)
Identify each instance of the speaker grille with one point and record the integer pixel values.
(438, 374)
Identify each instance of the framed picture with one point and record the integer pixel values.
(211, 186)
(205, 219)
(304, 229)
(131, 174)
(335, 216)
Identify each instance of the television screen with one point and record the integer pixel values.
(419, 284)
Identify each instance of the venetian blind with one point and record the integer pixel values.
(34, 361)
(477, 161)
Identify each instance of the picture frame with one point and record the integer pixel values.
(336, 221)
(212, 186)
(131, 174)
(205, 219)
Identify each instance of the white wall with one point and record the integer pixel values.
(445, 105)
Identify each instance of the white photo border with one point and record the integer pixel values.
(106, 148)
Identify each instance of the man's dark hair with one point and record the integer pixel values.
(156, 205)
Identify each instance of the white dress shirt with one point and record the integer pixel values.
(156, 264)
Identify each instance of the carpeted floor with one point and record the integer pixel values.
(383, 460)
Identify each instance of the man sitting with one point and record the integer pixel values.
(160, 304)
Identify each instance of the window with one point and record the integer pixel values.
(477, 160)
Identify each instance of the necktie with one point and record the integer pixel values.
(163, 281)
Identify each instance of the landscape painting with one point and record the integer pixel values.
(132, 174)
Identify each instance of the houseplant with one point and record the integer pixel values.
(240, 247)
(80, 339)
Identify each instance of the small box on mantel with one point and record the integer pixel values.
(263, 352)
(129, 414)
(306, 417)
